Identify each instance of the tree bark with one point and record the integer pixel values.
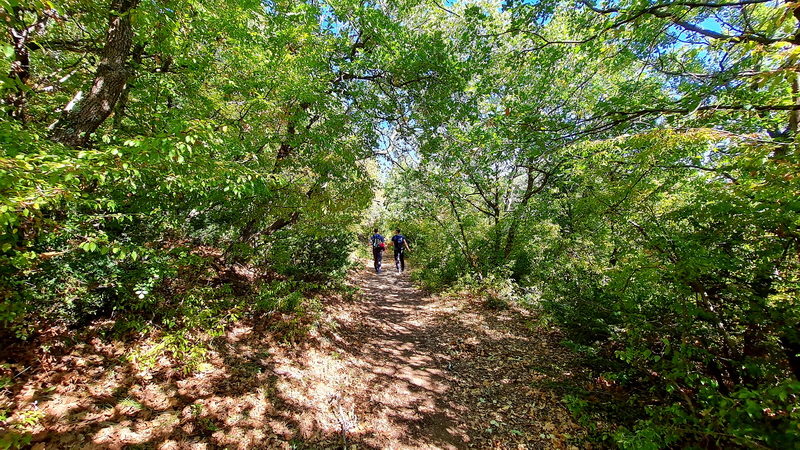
(20, 70)
(83, 117)
(122, 103)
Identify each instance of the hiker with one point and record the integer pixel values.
(400, 245)
(378, 246)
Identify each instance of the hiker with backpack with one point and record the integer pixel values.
(400, 245)
(378, 246)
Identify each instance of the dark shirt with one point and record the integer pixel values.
(399, 243)
(375, 239)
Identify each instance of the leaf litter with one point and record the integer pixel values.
(391, 368)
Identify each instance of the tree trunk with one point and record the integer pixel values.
(794, 117)
(20, 70)
(465, 247)
(511, 236)
(122, 103)
(83, 117)
(791, 348)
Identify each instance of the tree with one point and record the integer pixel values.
(83, 116)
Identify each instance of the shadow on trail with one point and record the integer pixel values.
(392, 369)
(448, 373)
(403, 365)
(94, 398)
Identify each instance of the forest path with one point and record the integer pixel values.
(421, 371)
(391, 367)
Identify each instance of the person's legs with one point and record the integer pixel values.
(377, 255)
(402, 261)
(397, 258)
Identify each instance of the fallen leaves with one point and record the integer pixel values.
(391, 369)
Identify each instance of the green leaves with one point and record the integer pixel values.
(632, 176)
(662, 196)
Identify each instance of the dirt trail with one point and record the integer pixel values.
(401, 366)
(436, 372)
(390, 368)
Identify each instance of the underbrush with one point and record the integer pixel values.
(496, 290)
(667, 373)
(193, 322)
(170, 307)
(655, 382)
(174, 289)
(174, 336)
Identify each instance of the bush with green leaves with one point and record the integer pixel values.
(319, 256)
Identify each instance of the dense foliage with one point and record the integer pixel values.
(628, 168)
(243, 127)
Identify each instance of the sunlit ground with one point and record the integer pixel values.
(393, 369)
